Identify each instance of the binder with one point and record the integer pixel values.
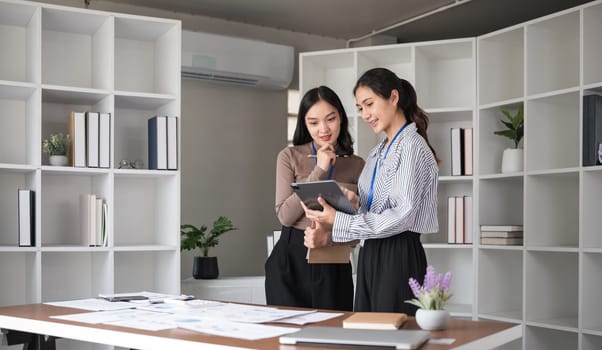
(92, 139)
(104, 140)
(468, 152)
(457, 141)
(77, 131)
(88, 219)
(26, 212)
(172, 143)
(157, 143)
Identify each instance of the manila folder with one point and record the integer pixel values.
(332, 254)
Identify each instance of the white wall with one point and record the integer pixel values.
(230, 138)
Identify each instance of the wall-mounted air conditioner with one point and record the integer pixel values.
(234, 60)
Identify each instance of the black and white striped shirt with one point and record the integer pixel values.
(405, 192)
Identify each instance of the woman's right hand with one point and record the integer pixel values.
(352, 196)
(326, 157)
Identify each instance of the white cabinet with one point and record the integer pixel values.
(56, 60)
(551, 284)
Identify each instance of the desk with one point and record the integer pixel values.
(34, 318)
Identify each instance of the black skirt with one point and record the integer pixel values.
(291, 281)
(384, 269)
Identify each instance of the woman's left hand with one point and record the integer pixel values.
(325, 216)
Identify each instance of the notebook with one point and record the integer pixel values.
(375, 320)
(400, 339)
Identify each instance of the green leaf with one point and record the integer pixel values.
(194, 237)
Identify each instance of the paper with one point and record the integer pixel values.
(92, 304)
(309, 318)
(230, 329)
(132, 318)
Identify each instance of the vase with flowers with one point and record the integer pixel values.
(431, 299)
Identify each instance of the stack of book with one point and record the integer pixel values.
(459, 220)
(94, 221)
(163, 143)
(90, 139)
(502, 234)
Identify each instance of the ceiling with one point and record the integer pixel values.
(349, 19)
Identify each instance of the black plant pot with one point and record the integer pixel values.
(205, 267)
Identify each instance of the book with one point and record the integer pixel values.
(77, 132)
(501, 241)
(457, 140)
(459, 220)
(157, 143)
(105, 225)
(451, 220)
(104, 140)
(506, 228)
(92, 139)
(468, 152)
(172, 143)
(99, 223)
(332, 254)
(468, 234)
(88, 219)
(592, 129)
(26, 212)
(375, 320)
(502, 234)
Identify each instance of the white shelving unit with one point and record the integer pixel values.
(64, 59)
(551, 284)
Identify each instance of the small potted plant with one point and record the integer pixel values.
(57, 147)
(205, 266)
(512, 158)
(431, 299)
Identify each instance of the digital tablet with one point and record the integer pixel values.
(327, 189)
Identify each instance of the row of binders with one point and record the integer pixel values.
(90, 139)
(94, 221)
(459, 220)
(502, 234)
(163, 143)
(461, 151)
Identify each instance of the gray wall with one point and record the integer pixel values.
(230, 138)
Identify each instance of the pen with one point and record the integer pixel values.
(341, 156)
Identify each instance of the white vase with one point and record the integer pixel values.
(432, 320)
(512, 160)
(58, 160)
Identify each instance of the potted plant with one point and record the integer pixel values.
(57, 147)
(512, 158)
(431, 299)
(205, 266)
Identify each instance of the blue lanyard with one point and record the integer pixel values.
(371, 193)
(315, 152)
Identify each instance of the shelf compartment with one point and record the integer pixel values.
(591, 342)
(396, 58)
(147, 56)
(77, 48)
(150, 271)
(439, 66)
(439, 134)
(501, 283)
(460, 263)
(538, 338)
(131, 131)
(491, 146)
(61, 196)
(592, 47)
(501, 66)
(553, 53)
(20, 143)
(592, 284)
(19, 32)
(75, 275)
(10, 183)
(501, 201)
(146, 210)
(552, 210)
(20, 271)
(335, 70)
(552, 288)
(445, 190)
(592, 202)
(552, 132)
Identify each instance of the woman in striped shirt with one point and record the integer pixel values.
(397, 197)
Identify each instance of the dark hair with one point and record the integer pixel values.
(382, 81)
(302, 136)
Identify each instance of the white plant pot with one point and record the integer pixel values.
(512, 160)
(431, 320)
(58, 160)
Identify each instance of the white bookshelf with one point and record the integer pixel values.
(66, 59)
(551, 284)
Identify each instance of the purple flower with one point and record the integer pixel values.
(415, 286)
(446, 281)
(429, 278)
